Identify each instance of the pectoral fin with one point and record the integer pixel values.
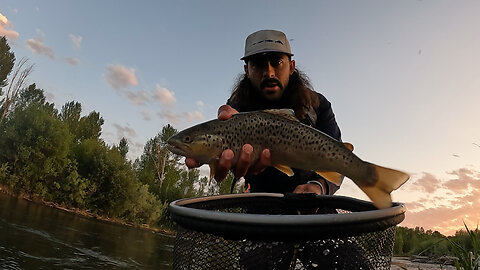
(333, 177)
(285, 169)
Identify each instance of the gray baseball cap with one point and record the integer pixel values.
(264, 41)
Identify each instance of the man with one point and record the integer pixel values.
(271, 81)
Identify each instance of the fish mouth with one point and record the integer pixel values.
(177, 148)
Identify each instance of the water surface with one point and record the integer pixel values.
(34, 236)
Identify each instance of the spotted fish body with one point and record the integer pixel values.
(292, 145)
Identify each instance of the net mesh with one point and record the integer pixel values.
(197, 249)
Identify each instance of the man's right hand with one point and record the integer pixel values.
(244, 162)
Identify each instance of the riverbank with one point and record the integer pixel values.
(405, 263)
(83, 212)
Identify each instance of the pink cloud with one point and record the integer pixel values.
(175, 118)
(163, 95)
(71, 61)
(446, 207)
(4, 24)
(428, 183)
(138, 98)
(37, 47)
(119, 77)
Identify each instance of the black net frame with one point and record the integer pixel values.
(283, 231)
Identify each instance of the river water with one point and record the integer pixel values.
(34, 236)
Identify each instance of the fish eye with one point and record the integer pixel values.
(187, 139)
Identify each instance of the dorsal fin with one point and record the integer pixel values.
(349, 146)
(286, 113)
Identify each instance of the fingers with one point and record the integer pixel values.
(244, 161)
(225, 112)
(191, 163)
(224, 165)
(263, 162)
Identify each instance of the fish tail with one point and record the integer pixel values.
(387, 181)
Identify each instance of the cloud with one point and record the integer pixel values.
(446, 204)
(50, 96)
(175, 118)
(170, 116)
(200, 103)
(192, 116)
(119, 77)
(72, 61)
(4, 24)
(146, 115)
(124, 132)
(76, 41)
(428, 183)
(137, 98)
(163, 95)
(37, 47)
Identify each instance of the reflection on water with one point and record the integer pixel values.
(34, 236)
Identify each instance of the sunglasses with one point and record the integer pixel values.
(261, 61)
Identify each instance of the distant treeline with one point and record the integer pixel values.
(430, 243)
(59, 156)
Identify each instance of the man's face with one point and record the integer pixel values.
(269, 73)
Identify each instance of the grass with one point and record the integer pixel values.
(467, 259)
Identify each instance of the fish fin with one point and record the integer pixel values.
(333, 177)
(349, 146)
(380, 198)
(285, 169)
(286, 113)
(387, 181)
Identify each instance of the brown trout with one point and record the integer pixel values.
(292, 145)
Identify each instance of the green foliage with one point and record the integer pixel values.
(60, 157)
(123, 147)
(7, 60)
(35, 144)
(466, 247)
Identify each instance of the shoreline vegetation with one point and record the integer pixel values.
(85, 213)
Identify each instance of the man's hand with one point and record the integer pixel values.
(244, 162)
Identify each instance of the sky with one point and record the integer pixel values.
(403, 77)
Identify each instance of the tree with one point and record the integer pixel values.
(7, 60)
(156, 159)
(17, 81)
(70, 115)
(30, 95)
(82, 127)
(35, 146)
(123, 147)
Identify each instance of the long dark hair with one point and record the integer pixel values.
(298, 95)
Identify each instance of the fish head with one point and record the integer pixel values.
(197, 142)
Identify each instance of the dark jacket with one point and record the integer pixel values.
(272, 180)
